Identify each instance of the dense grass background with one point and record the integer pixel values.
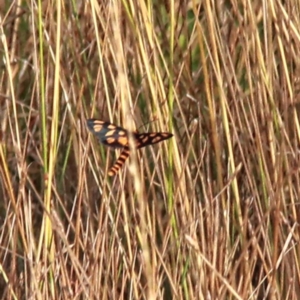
(211, 213)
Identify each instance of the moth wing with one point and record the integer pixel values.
(108, 133)
(150, 138)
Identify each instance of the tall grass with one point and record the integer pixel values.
(211, 213)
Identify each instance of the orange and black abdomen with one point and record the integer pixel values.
(119, 162)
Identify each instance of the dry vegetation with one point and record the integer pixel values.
(211, 213)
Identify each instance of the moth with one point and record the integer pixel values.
(118, 137)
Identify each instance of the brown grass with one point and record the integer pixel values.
(211, 213)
